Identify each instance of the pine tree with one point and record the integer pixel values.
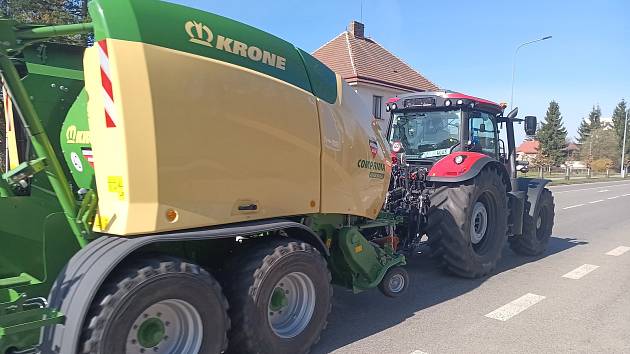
(619, 121)
(595, 118)
(553, 135)
(594, 121)
(584, 131)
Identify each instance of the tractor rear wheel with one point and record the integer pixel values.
(280, 296)
(537, 228)
(467, 226)
(158, 305)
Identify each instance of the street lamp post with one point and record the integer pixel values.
(623, 149)
(514, 65)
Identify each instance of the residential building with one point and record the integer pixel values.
(528, 150)
(374, 72)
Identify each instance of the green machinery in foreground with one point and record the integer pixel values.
(186, 180)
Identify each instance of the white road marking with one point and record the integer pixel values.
(603, 190)
(596, 201)
(626, 195)
(590, 189)
(418, 352)
(515, 307)
(573, 206)
(618, 251)
(580, 271)
(615, 197)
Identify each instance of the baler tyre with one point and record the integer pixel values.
(395, 282)
(280, 296)
(467, 228)
(537, 228)
(158, 305)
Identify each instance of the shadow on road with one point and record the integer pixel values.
(358, 316)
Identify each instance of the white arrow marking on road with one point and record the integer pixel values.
(596, 201)
(515, 307)
(573, 206)
(618, 251)
(580, 271)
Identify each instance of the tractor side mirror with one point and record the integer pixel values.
(530, 125)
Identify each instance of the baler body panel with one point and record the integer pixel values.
(355, 165)
(217, 136)
(188, 139)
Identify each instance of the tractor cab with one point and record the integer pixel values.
(427, 126)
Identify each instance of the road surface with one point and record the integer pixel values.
(573, 299)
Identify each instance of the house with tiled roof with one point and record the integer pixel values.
(374, 72)
(528, 150)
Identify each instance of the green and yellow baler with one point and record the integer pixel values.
(185, 182)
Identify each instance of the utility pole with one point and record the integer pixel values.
(623, 148)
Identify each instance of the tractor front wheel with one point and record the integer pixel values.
(158, 305)
(468, 224)
(537, 228)
(280, 296)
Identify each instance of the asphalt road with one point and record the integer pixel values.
(573, 299)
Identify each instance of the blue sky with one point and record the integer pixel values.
(468, 46)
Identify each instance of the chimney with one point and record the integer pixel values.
(356, 29)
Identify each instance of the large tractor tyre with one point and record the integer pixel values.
(467, 226)
(280, 296)
(158, 305)
(537, 228)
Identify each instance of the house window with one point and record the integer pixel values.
(377, 106)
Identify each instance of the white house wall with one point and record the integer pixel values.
(367, 91)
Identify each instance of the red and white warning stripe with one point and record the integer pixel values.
(89, 156)
(111, 119)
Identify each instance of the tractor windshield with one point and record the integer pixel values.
(426, 134)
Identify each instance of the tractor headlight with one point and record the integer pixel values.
(387, 109)
(394, 106)
(459, 159)
(447, 103)
(460, 102)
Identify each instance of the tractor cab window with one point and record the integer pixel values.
(426, 134)
(483, 133)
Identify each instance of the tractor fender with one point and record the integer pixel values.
(78, 283)
(447, 170)
(533, 187)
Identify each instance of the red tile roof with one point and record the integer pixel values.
(359, 59)
(528, 147)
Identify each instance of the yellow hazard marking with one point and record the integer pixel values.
(358, 249)
(10, 134)
(115, 185)
(101, 223)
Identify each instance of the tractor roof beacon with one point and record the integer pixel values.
(147, 184)
(454, 181)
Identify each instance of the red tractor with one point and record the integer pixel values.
(455, 182)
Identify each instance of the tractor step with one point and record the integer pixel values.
(20, 280)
